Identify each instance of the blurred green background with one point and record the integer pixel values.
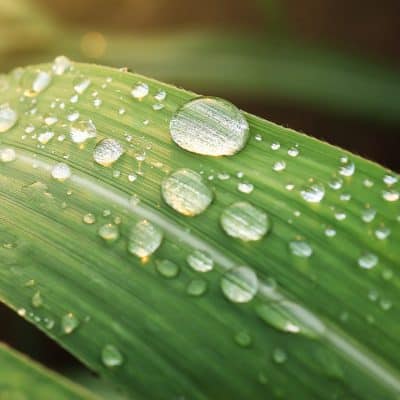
(325, 67)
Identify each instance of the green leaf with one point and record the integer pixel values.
(323, 323)
(21, 378)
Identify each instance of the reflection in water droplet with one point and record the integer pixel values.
(243, 221)
(8, 117)
(140, 90)
(167, 268)
(243, 339)
(69, 323)
(107, 152)
(7, 155)
(61, 172)
(368, 260)
(109, 232)
(144, 239)
(186, 192)
(313, 193)
(196, 287)
(209, 126)
(61, 64)
(80, 131)
(239, 284)
(111, 356)
(200, 261)
(300, 248)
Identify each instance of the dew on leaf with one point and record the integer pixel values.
(245, 187)
(196, 287)
(200, 261)
(347, 167)
(109, 232)
(81, 84)
(7, 155)
(300, 248)
(61, 64)
(279, 356)
(368, 260)
(140, 90)
(69, 323)
(37, 300)
(167, 268)
(8, 117)
(279, 166)
(81, 131)
(243, 339)
(313, 193)
(107, 152)
(144, 239)
(45, 137)
(61, 172)
(111, 356)
(390, 195)
(239, 284)
(89, 218)
(209, 126)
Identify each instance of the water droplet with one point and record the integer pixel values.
(89, 219)
(107, 152)
(61, 172)
(196, 287)
(345, 197)
(336, 183)
(200, 261)
(111, 356)
(61, 64)
(244, 221)
(239, 284)
(81, 84)
(368, 260)
(382, 232)
(390, 179)
(386, 304)
(161, 95)
(45, 137)
(275, 146)
(37, 300)
(313, 193)
(368, 215)
(8, 117)
(158, 106)
(373, 295)
(347, 168)
(293, 152)
(387, 274)
(279, 356)
(140, 91)
(186, 192)
(243, 339)
(330, 232)
(368, 183)
(69, 323)
(109, 232)
(7, 155)
(209, 126)
(300, 248)
(50, 120)
(80, 131)
(167, 268)
(274, 315)
(144, 239)
(245, 187)
(340, 215)
(279, 166)
(390, 195)
(41, 82)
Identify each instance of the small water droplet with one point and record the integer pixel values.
(244, 221)
(340, 215)
(336, 183)
(144, 239)
(61, 172)
(275, 146)
(245, 187)
(368, 183)
(347, 167)
(89, 218)
(158, 106)
(45, 137)
(390, 179)
(140, 90)
(279, 166)
(8, 117)
(37, 300)
(385, 304)
(161, 95)
(330, 232)
(209, 126)
(186, 192)
(243, 339)
(69, 323)
(345, 197)
(109, 232)
(40, 82)
(61, 64)
(81, 84)
(293, 152)
(382, 232)
(239, 284)
(300, 248)
(196, 287)
(368, 215)
(7, 155)
(111, 356)
(390, 195)
(107, 152)
(200, 261)
(167, 268)
(80, 131)
(313, 193)
(368, 260)
(279, 356)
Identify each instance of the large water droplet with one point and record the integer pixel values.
(186, 192)
(200, 261)
(244, 221)
(61, 172)
(209, 126)
(144, 239)
(368, 260)
(8, 117)
(107, 152)
(239, 284)
(300, 248)
(111, 356)
(80, 131)
(313, 193)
